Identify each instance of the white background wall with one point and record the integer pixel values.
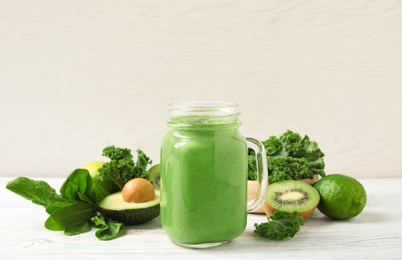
(79, 75)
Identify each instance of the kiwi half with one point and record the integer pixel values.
(291, 196)
(154, 175)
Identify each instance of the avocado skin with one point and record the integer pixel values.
(132, 216)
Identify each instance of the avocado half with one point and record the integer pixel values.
(129, 213)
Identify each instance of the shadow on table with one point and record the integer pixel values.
(365, 217)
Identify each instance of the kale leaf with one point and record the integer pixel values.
(288, 168)
(279, 226)
(252, 167)
(289, 157)
(122, 167)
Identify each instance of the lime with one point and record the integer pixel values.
(341, 196)
(106, 183)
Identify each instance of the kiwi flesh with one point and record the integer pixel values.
(289, 196)
(154, 175)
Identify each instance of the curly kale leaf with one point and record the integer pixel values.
(291, 144)
(279, 226)
(273, 146)
(282, 168)
(117, 154)
(317, 166)
(122, 167)
(142, 159)
(303, 158)
(252, 168)
(288, 168)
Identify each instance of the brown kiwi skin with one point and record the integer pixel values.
(270, 211)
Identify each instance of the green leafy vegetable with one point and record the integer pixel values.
(76, 207)
(122, 167)
(39, 192)
(288, 168)
(279, 226)
(109, 228)
(79, 186)
(73, 209)
(290, 157)
(83, 227)
(70, 215)
(252, 167)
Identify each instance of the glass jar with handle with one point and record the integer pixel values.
(204, 167)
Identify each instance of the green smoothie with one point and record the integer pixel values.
(203, 181)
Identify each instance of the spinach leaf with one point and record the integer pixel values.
(52, 208)
(79, 186)
(109, 228)
(72, 210)
(78, 229)
(69, 215)
(39, 192)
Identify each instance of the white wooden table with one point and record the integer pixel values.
(375, 234)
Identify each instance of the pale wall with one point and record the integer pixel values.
(79, 75)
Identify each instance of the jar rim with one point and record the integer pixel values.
(203, 108)
(204, 114)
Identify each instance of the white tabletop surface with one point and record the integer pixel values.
(375, 234)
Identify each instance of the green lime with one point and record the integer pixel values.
(106, 183)
(341, 196)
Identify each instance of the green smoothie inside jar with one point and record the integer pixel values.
(204, 174)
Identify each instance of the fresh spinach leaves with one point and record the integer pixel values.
(70, 215)
(74, 209)
(79, 186)
(39, 192)
(109, 228)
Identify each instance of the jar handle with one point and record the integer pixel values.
(262, 174)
